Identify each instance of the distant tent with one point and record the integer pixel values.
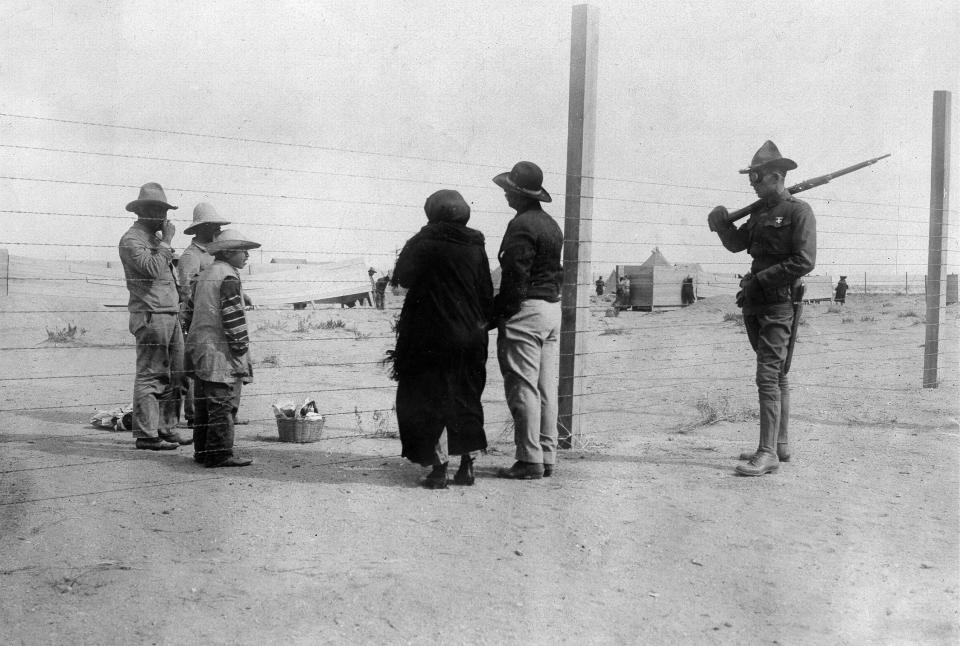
(656, 282)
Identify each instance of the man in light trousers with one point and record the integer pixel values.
(527, 313)
(154, 307)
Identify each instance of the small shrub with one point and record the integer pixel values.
(382, 425)
(65, 334)
(331, 324)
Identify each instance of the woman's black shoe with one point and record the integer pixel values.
(436, 479)
(464, 475)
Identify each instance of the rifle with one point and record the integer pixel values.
(804, 186)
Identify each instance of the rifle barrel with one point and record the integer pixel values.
(806, 185)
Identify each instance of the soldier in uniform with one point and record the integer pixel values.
(781, 236)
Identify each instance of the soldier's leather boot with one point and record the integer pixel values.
(759, 464)
(783, 443)
(765, 460)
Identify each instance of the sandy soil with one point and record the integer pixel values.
(643, 536)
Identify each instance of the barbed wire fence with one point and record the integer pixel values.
(346, 373)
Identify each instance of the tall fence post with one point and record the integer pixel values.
(936, 282)
(578, 219)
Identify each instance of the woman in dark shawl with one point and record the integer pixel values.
(441, 352)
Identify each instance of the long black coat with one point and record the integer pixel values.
(441, 352)
(450, 297)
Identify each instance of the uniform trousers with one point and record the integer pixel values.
(768, 328)
(528, 350)
(157, 386)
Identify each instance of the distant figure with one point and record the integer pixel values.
(440, 358)
(623, 293)
(380, 291)
(841, 294)
(687, 296)
(154, 308)
(600, 285)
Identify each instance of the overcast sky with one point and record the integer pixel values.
(327, 124)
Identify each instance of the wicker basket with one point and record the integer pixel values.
(299, 429)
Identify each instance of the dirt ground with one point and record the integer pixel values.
(643, 536)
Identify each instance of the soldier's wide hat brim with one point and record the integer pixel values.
(774, 164)
(503, 181)
(136, 204)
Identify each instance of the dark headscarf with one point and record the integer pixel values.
(447, 206)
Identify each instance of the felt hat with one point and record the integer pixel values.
(769, 157)
(525, 178)
(204, 213)
(150, 193)
(231, 240)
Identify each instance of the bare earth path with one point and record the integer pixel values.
(643, 536)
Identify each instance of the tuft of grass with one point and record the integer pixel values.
(395, 323)
(272, 324)
(868, 318)
(718, 409)
(834, 309)
(847, 319)
(614, 330)
(357, 334)
(65, 334)
(886, 305)
(308, 324)
(272, 360)
(908, 314)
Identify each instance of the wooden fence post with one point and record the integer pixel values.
(937, 246)
(578, 219)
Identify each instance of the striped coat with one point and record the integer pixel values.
(217, 346)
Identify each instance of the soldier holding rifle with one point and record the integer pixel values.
(781, 236)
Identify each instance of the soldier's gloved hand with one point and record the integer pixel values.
(718, 218)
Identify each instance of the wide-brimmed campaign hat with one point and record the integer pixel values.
(525, 178)
(769, 157)
(231, 240)
(204, 213)
(150, 193)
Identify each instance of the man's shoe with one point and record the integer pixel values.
(437, 478)
(176, 438)
(230, 462)
(522, 471)
(759, 464)
(155, 444)
(548, 470)
(464, 475)
(783, 453)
